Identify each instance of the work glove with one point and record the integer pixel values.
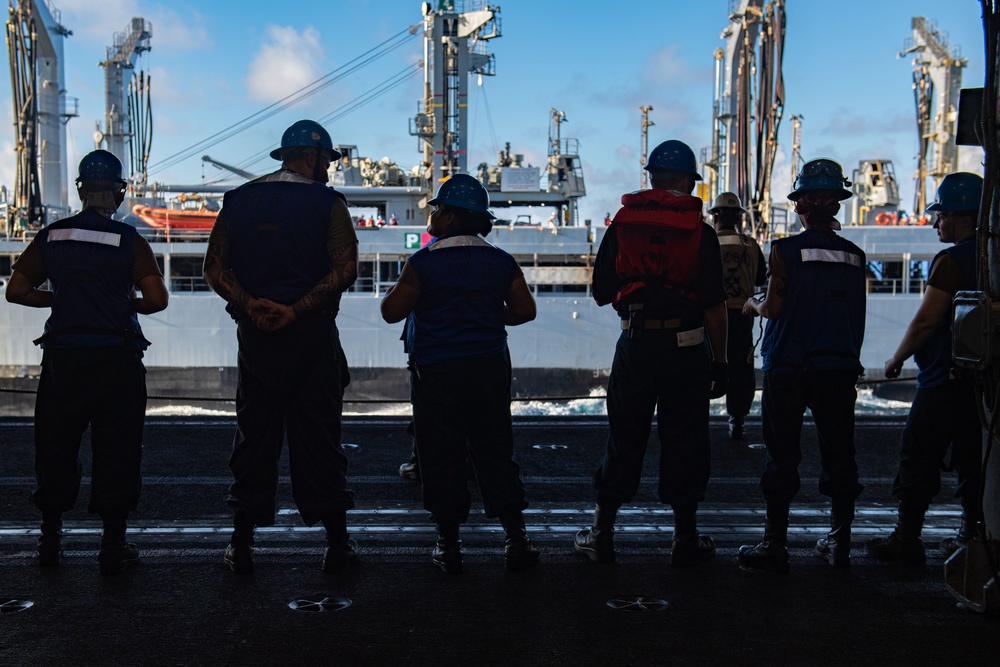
(719, 379)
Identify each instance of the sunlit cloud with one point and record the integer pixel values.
(284, 63)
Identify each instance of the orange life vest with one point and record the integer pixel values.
(659, 234)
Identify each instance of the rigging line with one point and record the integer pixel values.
(350, 106)
(233, 133)
(296, 96)
(489, 121)
(263, 115)
(400, 78)
(302, 93)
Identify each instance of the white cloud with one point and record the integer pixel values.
(99, 21)
(285, 63)
(667, 67)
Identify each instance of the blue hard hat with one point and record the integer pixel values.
(822, 174)
(101, 165)
(464, 191)
(306, 134)
(673, 155)
(958, 192)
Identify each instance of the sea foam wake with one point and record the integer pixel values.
(868, 405)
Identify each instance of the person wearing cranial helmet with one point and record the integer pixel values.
(92, 371)
(458, 294)
(660, 267)
(743, 269)
(815, 309)
(281, 253)
(944, 409)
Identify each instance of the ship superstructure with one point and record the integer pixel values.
(35, 38)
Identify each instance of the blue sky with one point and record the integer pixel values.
(215, 62)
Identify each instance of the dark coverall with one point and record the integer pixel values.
(944, 409)
(275, 233)
(811, 359)
(460, 377)
(92, 371)
(658, 370)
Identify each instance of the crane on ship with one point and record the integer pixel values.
(937, 81)
(748, 106)
(242, 173)
(128, 117)
(35, 37)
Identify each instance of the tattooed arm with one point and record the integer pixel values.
(220, 276)
(343, 273)
(224, 281)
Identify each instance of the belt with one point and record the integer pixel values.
(656, 324)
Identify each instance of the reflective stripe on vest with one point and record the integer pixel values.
(85, 236)
(835, 256)
(460, 241)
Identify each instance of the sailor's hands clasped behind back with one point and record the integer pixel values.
(270, 315)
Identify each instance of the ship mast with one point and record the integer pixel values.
(454, 47)
(937, 67)
(646, 124)
(796, 146)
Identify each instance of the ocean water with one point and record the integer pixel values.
(868, 405)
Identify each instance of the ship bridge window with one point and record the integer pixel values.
(186, 274)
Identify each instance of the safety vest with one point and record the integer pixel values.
(659, 234)
(463, 280)
(740, 255)
(934, 356)
(822, 321)
(88, 259)
(277, 236)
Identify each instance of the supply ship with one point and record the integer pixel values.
(568, 349)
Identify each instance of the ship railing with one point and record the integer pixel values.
(170, 235)
(188, 284)
(895, 286)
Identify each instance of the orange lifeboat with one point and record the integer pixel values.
(182, 219)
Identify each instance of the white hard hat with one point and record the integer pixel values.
(727, 200)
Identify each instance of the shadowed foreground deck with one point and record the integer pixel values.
(182, 606)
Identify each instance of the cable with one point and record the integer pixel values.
(323, 82)
(348, 107)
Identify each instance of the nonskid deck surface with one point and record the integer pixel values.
(183, 606)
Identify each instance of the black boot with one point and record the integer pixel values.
(903, 545)
(771, 555)
(966, 532)
(598, 542)
(447, 553)
(49, 545)
(411, 469)
(341, 551)
(737, 430)
(519, 553)
(116, 554)
(689, 548)
(239, 553)
(836, 546)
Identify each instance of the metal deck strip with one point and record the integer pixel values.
(394, 479)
